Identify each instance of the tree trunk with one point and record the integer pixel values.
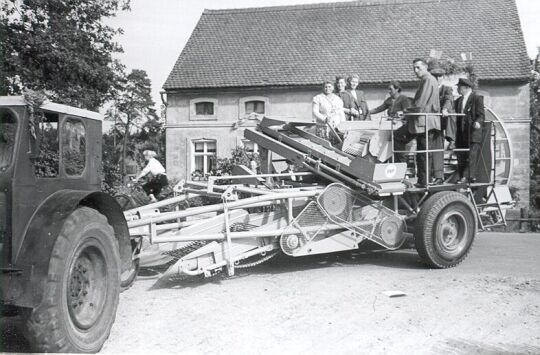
(124, 148)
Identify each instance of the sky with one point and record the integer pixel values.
(155, 31)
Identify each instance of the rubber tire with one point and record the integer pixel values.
(134, 271)
(86, 237)
(431, 214)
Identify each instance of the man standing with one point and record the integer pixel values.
(426, 100)
(446, 98)
(396, 103)
(469, 129)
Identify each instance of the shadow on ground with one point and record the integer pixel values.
(465, 347)
(367, 254)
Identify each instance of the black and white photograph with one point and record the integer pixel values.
(270, 176)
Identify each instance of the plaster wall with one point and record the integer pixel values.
(509, 101)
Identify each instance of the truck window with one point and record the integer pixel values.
(73, 146)
(8, 130)
(46, 164)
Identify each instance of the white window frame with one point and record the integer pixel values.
(205, 154)
(255, 145)
(242, 106)
(193, 112)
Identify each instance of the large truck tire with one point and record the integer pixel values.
(445, 229)
(81, 291)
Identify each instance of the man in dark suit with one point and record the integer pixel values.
(446, 98)
(426, 100)
(469, 129)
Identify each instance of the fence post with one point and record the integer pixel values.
(523, 223)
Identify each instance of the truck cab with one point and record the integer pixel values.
(55, 222)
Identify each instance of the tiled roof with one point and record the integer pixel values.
(305, 44)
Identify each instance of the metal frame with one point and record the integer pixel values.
(316, 155)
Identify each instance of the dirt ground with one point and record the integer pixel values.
(334, 304)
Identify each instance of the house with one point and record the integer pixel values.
(240, 63)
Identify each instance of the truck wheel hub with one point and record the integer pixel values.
(87, 288)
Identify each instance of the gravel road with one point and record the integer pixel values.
(326, 304)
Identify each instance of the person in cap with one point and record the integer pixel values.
(158, 178)
(446, 98)
(426, 100)
(469, 129)
(396, 103)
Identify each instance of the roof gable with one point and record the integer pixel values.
(305, 44)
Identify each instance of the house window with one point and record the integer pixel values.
(255, 106)
(203, 158)
(204, 108)
(73, 147)
(249, 146)
(46, 163)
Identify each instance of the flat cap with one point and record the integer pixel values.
(465, 82)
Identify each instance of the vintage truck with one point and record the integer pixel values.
(66, 252)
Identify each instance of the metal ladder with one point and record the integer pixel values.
(490, 211)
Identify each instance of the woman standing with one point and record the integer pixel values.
(349, 107)
(358, 105)
(327, 110)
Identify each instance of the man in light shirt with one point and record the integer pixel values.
(158, 178)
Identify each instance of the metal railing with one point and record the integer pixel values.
(427, 151)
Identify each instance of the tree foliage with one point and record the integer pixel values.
(61, 47)
(132, 110)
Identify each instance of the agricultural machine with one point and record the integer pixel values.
(334, 200)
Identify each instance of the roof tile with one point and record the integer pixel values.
(305, 44)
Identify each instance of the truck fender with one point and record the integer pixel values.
(42, 232)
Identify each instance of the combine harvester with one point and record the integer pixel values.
(338, 199)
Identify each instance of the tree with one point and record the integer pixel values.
(61, 47)
(131, 108)
(535, 135)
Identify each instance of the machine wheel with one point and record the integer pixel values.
(81, 291)
(445, 229)
(128, 277)
(132, 275)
